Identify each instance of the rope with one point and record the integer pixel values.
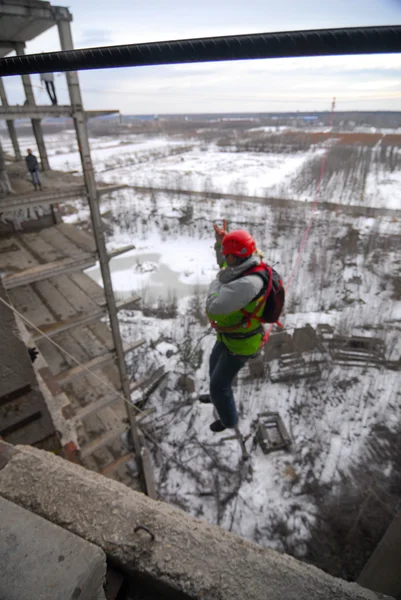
(76, 361)
(323, 42)
(314, 205)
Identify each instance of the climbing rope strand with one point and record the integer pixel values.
(309, 225)
(317, 195)
(75, 360)
(314, 205)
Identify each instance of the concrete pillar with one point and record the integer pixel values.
(36, 126)
(382, 571)
(97, 226)
(10, 124)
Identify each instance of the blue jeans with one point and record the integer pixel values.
(35, 177)
(223, 367)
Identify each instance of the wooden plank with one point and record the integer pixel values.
(61, 243)
(55, 358)
(14, 258)
(94, 363)
(120, 251)
(74, 321)
(89, 286)
(28, 303)
(116, 464)
(40, 272)
(95, 407)
(148, 474)
(57, 327)
(102, 441)
(79, 370)
(73, 293)
(107, 189)
(88, 341)
(37, 245)
(82, 239)
(55, 302)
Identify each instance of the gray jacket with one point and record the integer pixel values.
(227, 294)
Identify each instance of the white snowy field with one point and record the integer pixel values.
(192, 164)
(348, 277)
(343, 279)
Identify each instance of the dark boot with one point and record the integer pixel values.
(36, 187)
(217, 426)
(205, 399)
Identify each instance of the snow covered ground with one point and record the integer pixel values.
(348, 277)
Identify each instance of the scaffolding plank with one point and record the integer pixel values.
(89, 286)
(40, 272)
(88, 341)
(116, 464)
(75, 320)
(42, 198)
(54, 300)
(94, 363)
(82, 239)
(29, 304)
(14, 258)
(96, 407)
(103, 440)
(37, 245)
(119, 251)
(57, 240)
(79, 370)
(74, 294)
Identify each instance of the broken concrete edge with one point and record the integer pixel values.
(52, 558)
(158, 543)
(56, 400)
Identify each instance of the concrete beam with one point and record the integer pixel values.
(35, 9)
(162, 545)
(41, 560)
(10, 113)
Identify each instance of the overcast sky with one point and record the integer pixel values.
(358, 82)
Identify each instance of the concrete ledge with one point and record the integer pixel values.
(40, 560)
(157, 543)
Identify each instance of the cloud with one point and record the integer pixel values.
(94, 37)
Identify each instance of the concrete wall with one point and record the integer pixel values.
(42, 561)
(24, 416)
(161, 545)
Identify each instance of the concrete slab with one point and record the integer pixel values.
(157, 543)
(16, 373)
(43, 561)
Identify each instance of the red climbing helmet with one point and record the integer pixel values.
(239, 242)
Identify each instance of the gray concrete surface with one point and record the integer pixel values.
(41, 561)
(191, 559)
(382, 571)
(16, 373)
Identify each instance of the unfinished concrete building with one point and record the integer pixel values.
(42, 261)
(72, 528)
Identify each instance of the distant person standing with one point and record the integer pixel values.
(33, 168)
(48, 79)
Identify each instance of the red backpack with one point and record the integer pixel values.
(273, 295)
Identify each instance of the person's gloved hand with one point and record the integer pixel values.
(33, 354)
(220, 232)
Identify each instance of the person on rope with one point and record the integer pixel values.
(238, 302)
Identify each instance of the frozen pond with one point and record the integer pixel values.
(146, 274)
